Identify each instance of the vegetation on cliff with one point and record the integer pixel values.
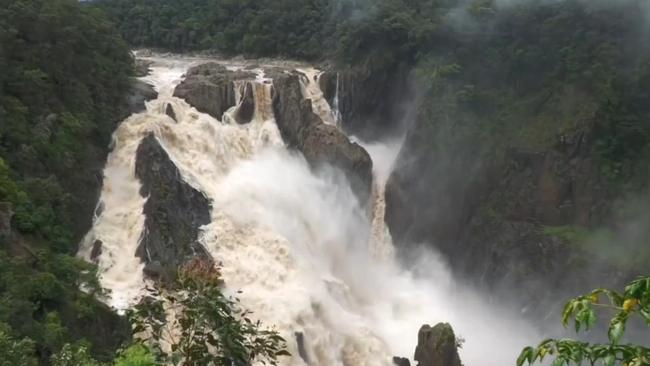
(65, 75)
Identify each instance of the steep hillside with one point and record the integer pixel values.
(64, 85)
(530, 146)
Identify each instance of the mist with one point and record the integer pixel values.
(333, 285)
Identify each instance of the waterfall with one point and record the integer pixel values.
(311, 90)
(335, 102)
(292, 239)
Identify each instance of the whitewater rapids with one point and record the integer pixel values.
(305, 255)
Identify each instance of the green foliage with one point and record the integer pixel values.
(136, 355)
(634, 301)
(294, 28)
(201, 325)
(74, 355)
(16, 352)
(571, 234)
(64, 82)
(534, 73)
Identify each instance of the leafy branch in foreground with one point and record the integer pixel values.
(634, 301)
(197, 325)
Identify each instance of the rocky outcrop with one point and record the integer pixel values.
(142, 67)
(141, 92)
(492, 216)
(169, 111)
(210, 88)
(372, 103)
(320, 143)
(174, 213)
(437, 346)
(6, 213)
(400, 361)
(246, 107)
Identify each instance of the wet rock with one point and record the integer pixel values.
(488, 216)
(174, 212)
(367, 99)
(96, 252)
(437, 346)
(400, 361)
(169, 110)
(328, 84)
(154, 269)
(246, 107)
(142, 67)
(320, 143)
(210, 89)
(302, 351)
(6, 213)
(141, 92)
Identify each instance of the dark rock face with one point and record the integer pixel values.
(320, 143)
(400, 361)
(96, 251)
(105, 330)
(6, 213)
(302, 351)
(142, 67)
(174, 212)
(141, 93)
(246, 106)
(210, 89)
(328, 83)
(169, 110)
(370, 102)
(488, 217)
(437, 346)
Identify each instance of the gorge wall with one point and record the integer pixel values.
(519, 168)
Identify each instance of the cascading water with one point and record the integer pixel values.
(293, 240)
(311, 90)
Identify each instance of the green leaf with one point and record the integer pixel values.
(616, 331)
(526, 356)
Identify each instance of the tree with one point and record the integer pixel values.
(74, 355)
(634, 301)
(136, 355)
(16, 352)
(195, 324)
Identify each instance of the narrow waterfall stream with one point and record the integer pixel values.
(293, 240)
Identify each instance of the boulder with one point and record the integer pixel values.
(174, 213)
(97, 250)
(302, 350)
(320, 143)
(400, 361)
(169, 110)
(246, 107)
(437, 346)
(142, 67)
(371, 102)
(210, 88)
(328, 83)
(141, 92)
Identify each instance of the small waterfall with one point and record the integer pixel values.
(312, 91)
(292, 239)
(335, 103)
